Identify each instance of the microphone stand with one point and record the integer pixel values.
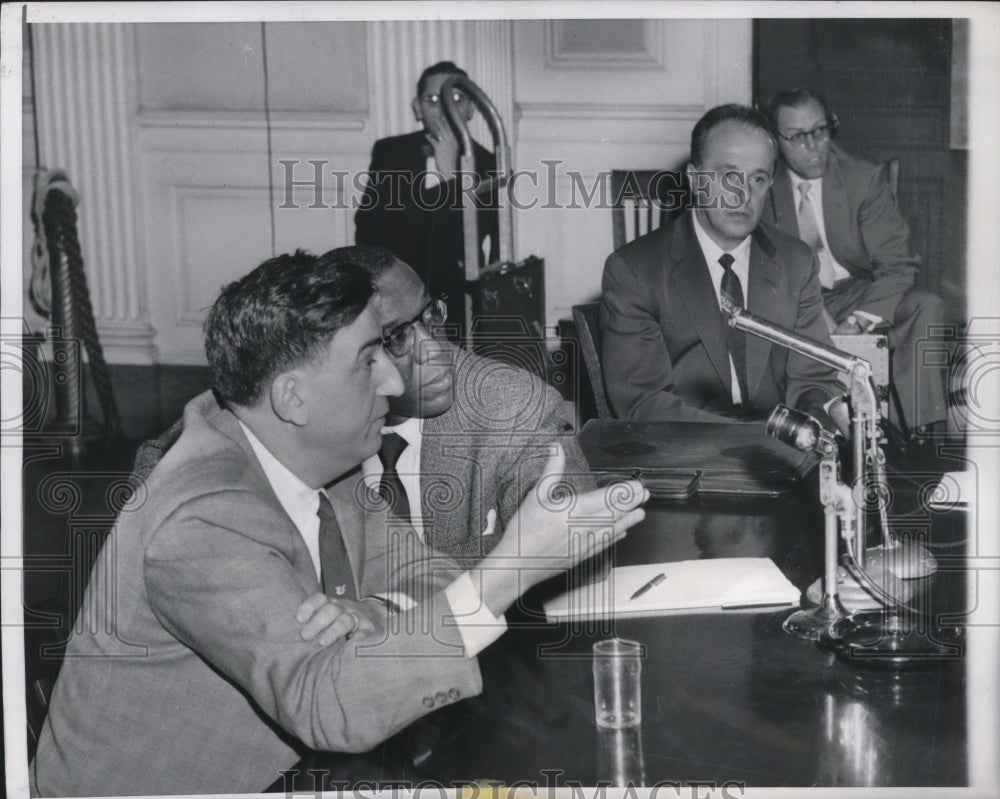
(839, 502)
(864, 403)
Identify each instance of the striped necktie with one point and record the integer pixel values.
(809, 233)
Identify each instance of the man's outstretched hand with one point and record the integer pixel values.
(554, 529)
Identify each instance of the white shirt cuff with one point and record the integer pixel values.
(476, 623)
(871, 319)
(831, 402)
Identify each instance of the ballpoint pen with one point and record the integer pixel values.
(644, 588)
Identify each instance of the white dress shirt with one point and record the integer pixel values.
(407, 467)
(300, 502)
(476, 624)
(741, 266)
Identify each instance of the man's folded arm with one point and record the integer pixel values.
(233, 600)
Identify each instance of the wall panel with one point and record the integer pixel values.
(596, 95)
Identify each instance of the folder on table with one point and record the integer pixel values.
(703, 585)
(676, 459)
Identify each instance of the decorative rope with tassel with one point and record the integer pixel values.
(58, 273)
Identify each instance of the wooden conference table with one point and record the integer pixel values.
(727, 697)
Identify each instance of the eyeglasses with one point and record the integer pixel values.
(399, 341)
(435, 99)
(820, 133)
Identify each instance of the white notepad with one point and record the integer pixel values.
(704, 585)
(956, 490)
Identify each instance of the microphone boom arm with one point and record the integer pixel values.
(864, 403)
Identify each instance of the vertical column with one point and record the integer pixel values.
(492, 67)
(398, 51)
(83, 80)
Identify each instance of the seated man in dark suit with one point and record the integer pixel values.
(469, 436)
(413, 202)
(667, 351)
(844, 208)
(195, 666)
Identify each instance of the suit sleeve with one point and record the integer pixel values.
(370, 217)
(401, 561)
(232, 600)
(524, 458)
(886, 238)
(638, 372)
(810, 385)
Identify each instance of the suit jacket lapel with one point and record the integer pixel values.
(785, 217)
(836, 214)
(765, 280)
(287, 540)
(689, 273)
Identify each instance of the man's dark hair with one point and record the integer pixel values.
(374, 258)
(793, 98)
(440, 68)
(282, 313)
(750, 117)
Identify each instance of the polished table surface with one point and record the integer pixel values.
(727, 697)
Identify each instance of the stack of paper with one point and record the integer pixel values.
(712, 584)
(956, 490)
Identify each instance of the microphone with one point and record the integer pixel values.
(882, 568)
(742, 319)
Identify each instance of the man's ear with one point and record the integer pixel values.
(415, 105)
(287, 401)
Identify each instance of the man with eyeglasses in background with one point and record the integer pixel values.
(844, 208)
(468, 437)
(413, 201)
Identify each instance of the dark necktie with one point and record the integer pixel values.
(391, 487)
(335, 568)
(733, 292)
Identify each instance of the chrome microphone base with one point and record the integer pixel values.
(812, 623)
(856, 596)
(904, 560)
(893, 640)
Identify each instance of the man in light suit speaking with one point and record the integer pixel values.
(190, 670)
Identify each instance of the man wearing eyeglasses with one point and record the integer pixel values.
(844, 208)
(466, 440)
(413, 201)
